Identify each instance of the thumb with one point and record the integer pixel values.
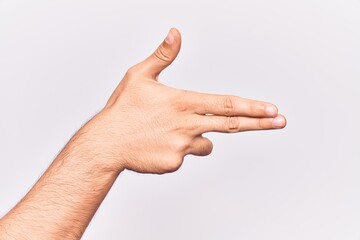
(164, 55)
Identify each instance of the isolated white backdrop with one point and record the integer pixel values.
(60, 61)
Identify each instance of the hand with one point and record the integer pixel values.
(148, 127)
(145, 127)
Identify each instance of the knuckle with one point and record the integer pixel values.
(180, 107)
(173, 164)
(181, 145)
(228, 105)
(232, 124)
(254, 109)
(260, 124)
(131, 71)
(180, 104)
(162, 55)
(194, 125)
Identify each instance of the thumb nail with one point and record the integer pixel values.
(169, 38)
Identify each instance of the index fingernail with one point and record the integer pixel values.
(271, 111)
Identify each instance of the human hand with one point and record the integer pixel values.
(148, 127)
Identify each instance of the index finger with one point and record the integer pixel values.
(230, 105)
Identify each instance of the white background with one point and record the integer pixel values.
(60, 61)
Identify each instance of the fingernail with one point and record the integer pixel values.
(278, 122)
(271, 111)
(169, 38)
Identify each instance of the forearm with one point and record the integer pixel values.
(63, 201)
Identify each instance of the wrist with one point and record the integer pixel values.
(92, 147)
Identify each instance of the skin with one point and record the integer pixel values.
(145, 127)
